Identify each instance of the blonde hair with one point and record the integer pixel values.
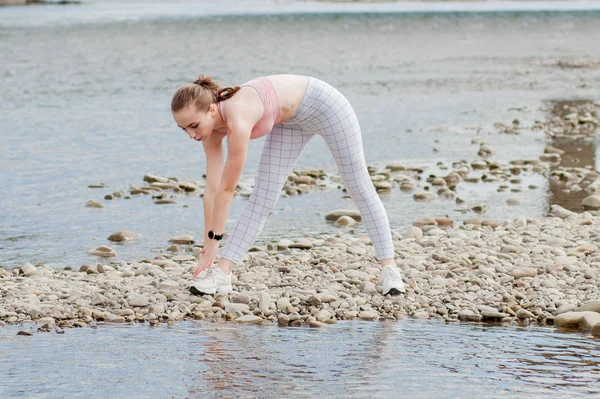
(202, 93)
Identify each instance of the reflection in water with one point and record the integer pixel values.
(578, 153)
(412, 358)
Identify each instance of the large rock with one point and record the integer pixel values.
(335, 215)
(596, 330)
(123, 235)
(569, 319)
(591, 202)
(588, 321)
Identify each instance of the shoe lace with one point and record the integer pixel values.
(209, 273)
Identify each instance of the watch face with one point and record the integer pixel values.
(211, 234)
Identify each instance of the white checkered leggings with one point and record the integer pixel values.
(326, 112)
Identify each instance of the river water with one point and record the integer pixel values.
(411, 359)
(88, 102)
(85, 92)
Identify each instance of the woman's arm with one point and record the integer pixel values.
(244, 112)
(237, 148)
(214, 169)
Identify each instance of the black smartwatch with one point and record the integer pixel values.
(213, 236)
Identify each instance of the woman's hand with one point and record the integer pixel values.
(207, 257)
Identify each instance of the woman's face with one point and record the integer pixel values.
(197, 124)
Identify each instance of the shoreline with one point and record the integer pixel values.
(526, 270)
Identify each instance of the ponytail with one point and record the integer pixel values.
(203, 92)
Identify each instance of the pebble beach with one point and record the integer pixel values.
(520, 271)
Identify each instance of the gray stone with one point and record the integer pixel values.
(251, 319)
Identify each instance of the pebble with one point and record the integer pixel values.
(29, 270)
(345, 221)
(182, 239)
(138, 300)
(251, 319)
(521, 272)
(94, 204)
(413, 232)
(301, 243)
(284, 243)
(123, 235)
(335, 215)
(104, 251)
(524, 314)
(368, 315)
(591, 202)
(593, 306)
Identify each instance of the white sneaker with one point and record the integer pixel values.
(391, 281)
(214, 281)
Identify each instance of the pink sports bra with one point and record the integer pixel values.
(272, 108)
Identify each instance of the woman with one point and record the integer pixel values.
(290, 110)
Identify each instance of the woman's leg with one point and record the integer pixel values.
(281, 151)
(344, 139)
(341, 131)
